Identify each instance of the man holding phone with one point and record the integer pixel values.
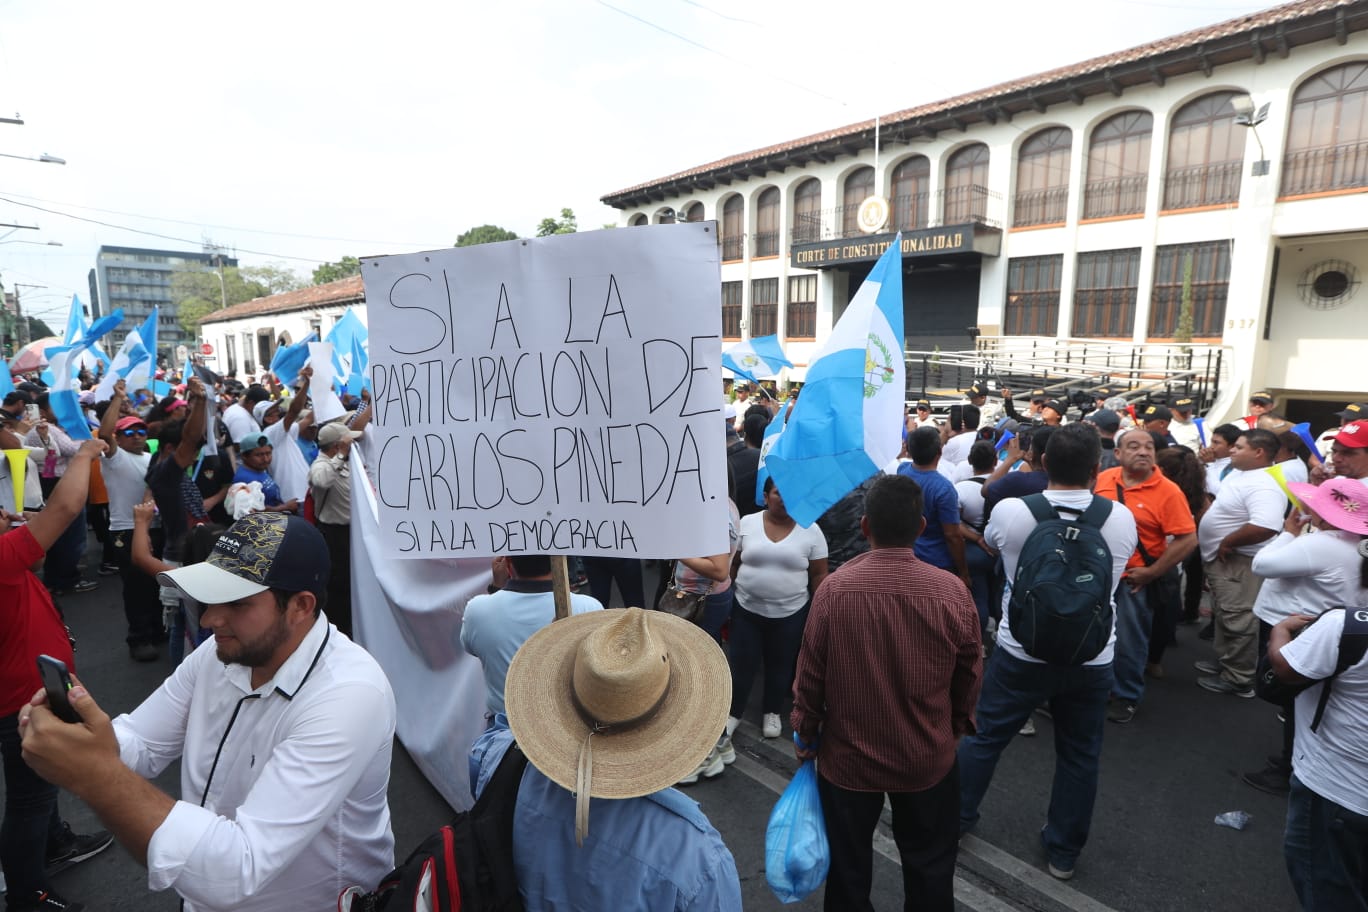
(35, 842)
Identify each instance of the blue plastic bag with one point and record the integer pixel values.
(797, 855)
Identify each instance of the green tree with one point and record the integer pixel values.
(196, 293)
(37, 329)
(564, 225)
(276, 277)
(332, 272)
(485, 234)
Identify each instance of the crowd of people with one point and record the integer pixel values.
(902, 632)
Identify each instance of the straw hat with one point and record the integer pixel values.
(618, 703)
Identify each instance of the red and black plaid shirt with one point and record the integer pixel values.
(889, 672)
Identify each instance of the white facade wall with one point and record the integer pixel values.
(1307, 353)
(231, 338)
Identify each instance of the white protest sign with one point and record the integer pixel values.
(556, 395)
(326, 404)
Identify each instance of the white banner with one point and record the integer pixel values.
(554, 395)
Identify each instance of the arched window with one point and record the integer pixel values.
(1042, 185)
(693, 212)
(767, 223)
(858, 185)
(665, 217)
(911, 192)
(1327, 137)
(1118, 166)
(966, 185)
(733, 228)
(807, 214)
(1205, 154)
(638, 219)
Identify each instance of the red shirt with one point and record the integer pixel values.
(29, 623)
(889, 671)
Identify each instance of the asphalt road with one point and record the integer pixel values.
(1154, 846)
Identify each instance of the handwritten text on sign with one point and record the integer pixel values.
(557, 395)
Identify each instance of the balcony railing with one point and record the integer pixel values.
(1040, 207)
(1203, 185)
(733, 247)
(1118, 196)
(766, 243)
(1325, 169)
(968, 204)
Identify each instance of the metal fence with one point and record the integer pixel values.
(1327, 168)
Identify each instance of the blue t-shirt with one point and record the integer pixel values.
(268, 485)
(940, 505)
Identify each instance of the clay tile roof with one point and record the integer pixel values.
(1192, 41)
(343, 291)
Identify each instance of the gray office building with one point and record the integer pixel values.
(138, 279)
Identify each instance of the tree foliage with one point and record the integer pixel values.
(332, 272)
(485, 234)
(38, 329)
(196, 293)
(276, 277)
(564, 225)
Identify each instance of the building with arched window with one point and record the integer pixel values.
(1207, 192)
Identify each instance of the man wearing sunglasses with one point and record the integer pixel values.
(124, 469)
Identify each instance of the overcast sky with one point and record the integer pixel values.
(297, 132)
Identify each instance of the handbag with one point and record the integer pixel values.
(682, 603)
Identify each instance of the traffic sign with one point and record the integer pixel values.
(206, 349)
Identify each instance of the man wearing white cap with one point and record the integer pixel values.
(283, 728)
(616, 705)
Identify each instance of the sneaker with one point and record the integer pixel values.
(1154, 670)
(1044, 710)
(1207, 667)
(143, 652)
(711, 766)
(1218, 684)
(45, 901)
(77, 587)
(72, 848)
(1028, 730)
(108, 570)
(1270, 780)
(1208, 632)
(725, 750)
(730, 728)
(772, 728)
(1058, 872)
(1120, 711)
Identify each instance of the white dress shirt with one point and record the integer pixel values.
(297, 808)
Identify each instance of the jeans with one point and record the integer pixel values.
(61, 568)
(1326, 850)
(924, 829)
(981, 569)
(339, 604)
(1133, 623)
(141, 594)
(625, 571)
(30, 817)
(716, 609)
(771, 641)
(1077, 695)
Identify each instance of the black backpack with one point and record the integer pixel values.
(466, 866)
(1353, 645)
(1060, 610)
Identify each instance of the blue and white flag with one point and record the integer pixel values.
(63, 361)
(755, 358)
(847, 425)
(130, 356)
(75, 325)
(6, 381)
(350, 340)
(289, 359)
(143, 373)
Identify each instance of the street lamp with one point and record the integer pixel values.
(49, 159)
(1247, 116)
(223, 289)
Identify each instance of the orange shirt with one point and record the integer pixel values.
(1159, 508)
(98, 493)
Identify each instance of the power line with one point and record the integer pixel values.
(158, 218)
(719, 14)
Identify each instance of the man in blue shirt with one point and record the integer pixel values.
(644, 694)
(942, 542)
(255, 451)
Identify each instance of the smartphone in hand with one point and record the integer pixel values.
(56, 681)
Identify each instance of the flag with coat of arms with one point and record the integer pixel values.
(848, 423)
(762, 356)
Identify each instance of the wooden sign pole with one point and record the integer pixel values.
(560, 585)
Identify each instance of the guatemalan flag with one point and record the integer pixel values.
(848, 423)
(756, 358)
(130, 356)
(63, 361)
(350, 357)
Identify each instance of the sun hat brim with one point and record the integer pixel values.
(640, 760)
(1321, 499)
